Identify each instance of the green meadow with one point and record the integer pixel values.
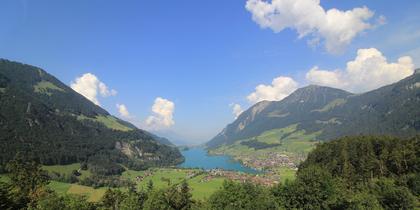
(288, 140)
(161, 178)
(202, 190)
(286, 174)
(108, 121)
(67, 169)
(92, 195)
(164, 177)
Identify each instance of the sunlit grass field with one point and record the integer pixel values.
(203, 190)
(290, 141)
(108, 121)
(93, 195)
(286, 174)
(67, 169)
(163, 177)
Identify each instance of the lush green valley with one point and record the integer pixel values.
(364, 172)
(61, 151)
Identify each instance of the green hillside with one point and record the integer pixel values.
(326, 113)
(48, 121)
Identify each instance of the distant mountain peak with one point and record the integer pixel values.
(318, 88)
(315, 94)
(332, 112)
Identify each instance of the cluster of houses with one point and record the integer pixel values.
(270, 160)
(267, 180)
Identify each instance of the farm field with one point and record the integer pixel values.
(286, 174)
(67, 169)
(163, 177)
(160, 177)
(92, 195)
(203, 190)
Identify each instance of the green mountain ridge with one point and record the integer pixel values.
(47, 120)
(332, 113)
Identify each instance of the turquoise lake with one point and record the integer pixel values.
(198, 158)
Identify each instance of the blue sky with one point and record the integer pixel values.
(200, 55)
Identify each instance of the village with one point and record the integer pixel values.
(269, 161)
(266, 179)
(263, 178)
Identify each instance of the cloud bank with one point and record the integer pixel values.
(280, 88)
(162, 117)
(236, 110)
(123, 111)
(335, 28)
(90, 87)
(369, 70)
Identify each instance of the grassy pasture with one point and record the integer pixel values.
(93, 195)
(59, 187)
(292, 142)
(108, 121)
(286, 174)
(67, 169)
(46, 87)
(202, 190)
(162, 176)
(199, 189)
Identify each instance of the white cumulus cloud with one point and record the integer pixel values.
(162, 117)
(90, 87)
(336, 28)
(236, 110)
(369, 70)
(280, 88)
(122, 109)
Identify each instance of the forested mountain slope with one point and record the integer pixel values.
(45, 119)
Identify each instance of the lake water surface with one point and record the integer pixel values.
(198, 158)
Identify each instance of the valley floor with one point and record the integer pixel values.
(203, 183)
(161, 178)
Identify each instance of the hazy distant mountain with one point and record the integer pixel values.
(174, 137)
(393, 110)
(162, 140)
(44, 118)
